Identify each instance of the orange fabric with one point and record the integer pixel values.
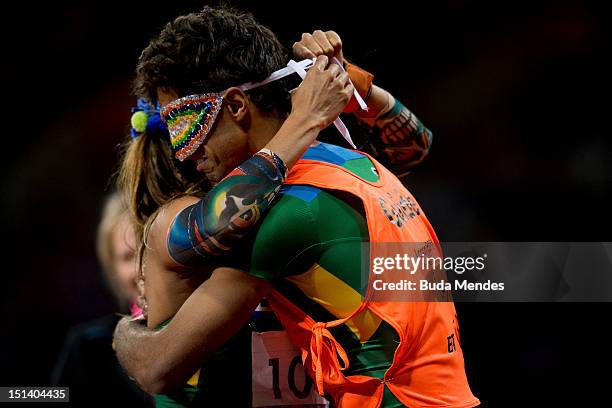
(362, 81)
(423, 372)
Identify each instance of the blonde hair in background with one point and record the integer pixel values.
(114, 213)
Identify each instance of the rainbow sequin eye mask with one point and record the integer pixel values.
(191, 118)
(189, 121)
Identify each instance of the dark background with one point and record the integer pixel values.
(514, 92)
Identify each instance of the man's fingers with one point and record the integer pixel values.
(336, 43)
(334, 69)
(321, 38)
(334, 40)
(301, 52)
(348, 92)
(345, 79)
(317, 43)
(321, 62)
(309, 42)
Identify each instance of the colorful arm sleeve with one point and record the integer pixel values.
(398, 139)
(213, 225)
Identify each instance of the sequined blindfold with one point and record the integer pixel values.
(191, 118)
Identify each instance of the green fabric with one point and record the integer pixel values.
(323, 228)
(330, 230)
(225, 379)
(364, 168)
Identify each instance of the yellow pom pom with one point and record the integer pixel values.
(139, 121)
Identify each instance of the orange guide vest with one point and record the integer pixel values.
(423, 373)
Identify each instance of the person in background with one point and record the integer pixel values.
(87, 362)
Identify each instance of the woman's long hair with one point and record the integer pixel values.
(200, 52)
(149, 178)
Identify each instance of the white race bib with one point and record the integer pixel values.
(279, 379)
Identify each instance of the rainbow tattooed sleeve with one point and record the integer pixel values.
(399, 140)
(212, 226)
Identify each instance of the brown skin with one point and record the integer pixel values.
(209, 304)
(329, 43)
(240, 131)
(319, 43)
(166, 285)
(218, 300)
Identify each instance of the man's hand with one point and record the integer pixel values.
(323, 94)
(162, 360)
(128, 334)
(319, 43)
(316, 103)
(329, 43)
(403, 141)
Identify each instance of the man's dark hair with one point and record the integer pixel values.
(210, 51)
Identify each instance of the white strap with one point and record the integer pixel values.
(338, 122)
(358, 97)
(281, 73)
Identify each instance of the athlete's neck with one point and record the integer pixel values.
(263, 130)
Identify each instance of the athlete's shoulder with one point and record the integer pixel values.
(163, 220)
(329, 153)
(165, 216)
(353, 161)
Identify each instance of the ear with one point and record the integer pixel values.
(238, 104)
(165, 95)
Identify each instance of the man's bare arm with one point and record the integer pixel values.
(398, 138)
(162, 360)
